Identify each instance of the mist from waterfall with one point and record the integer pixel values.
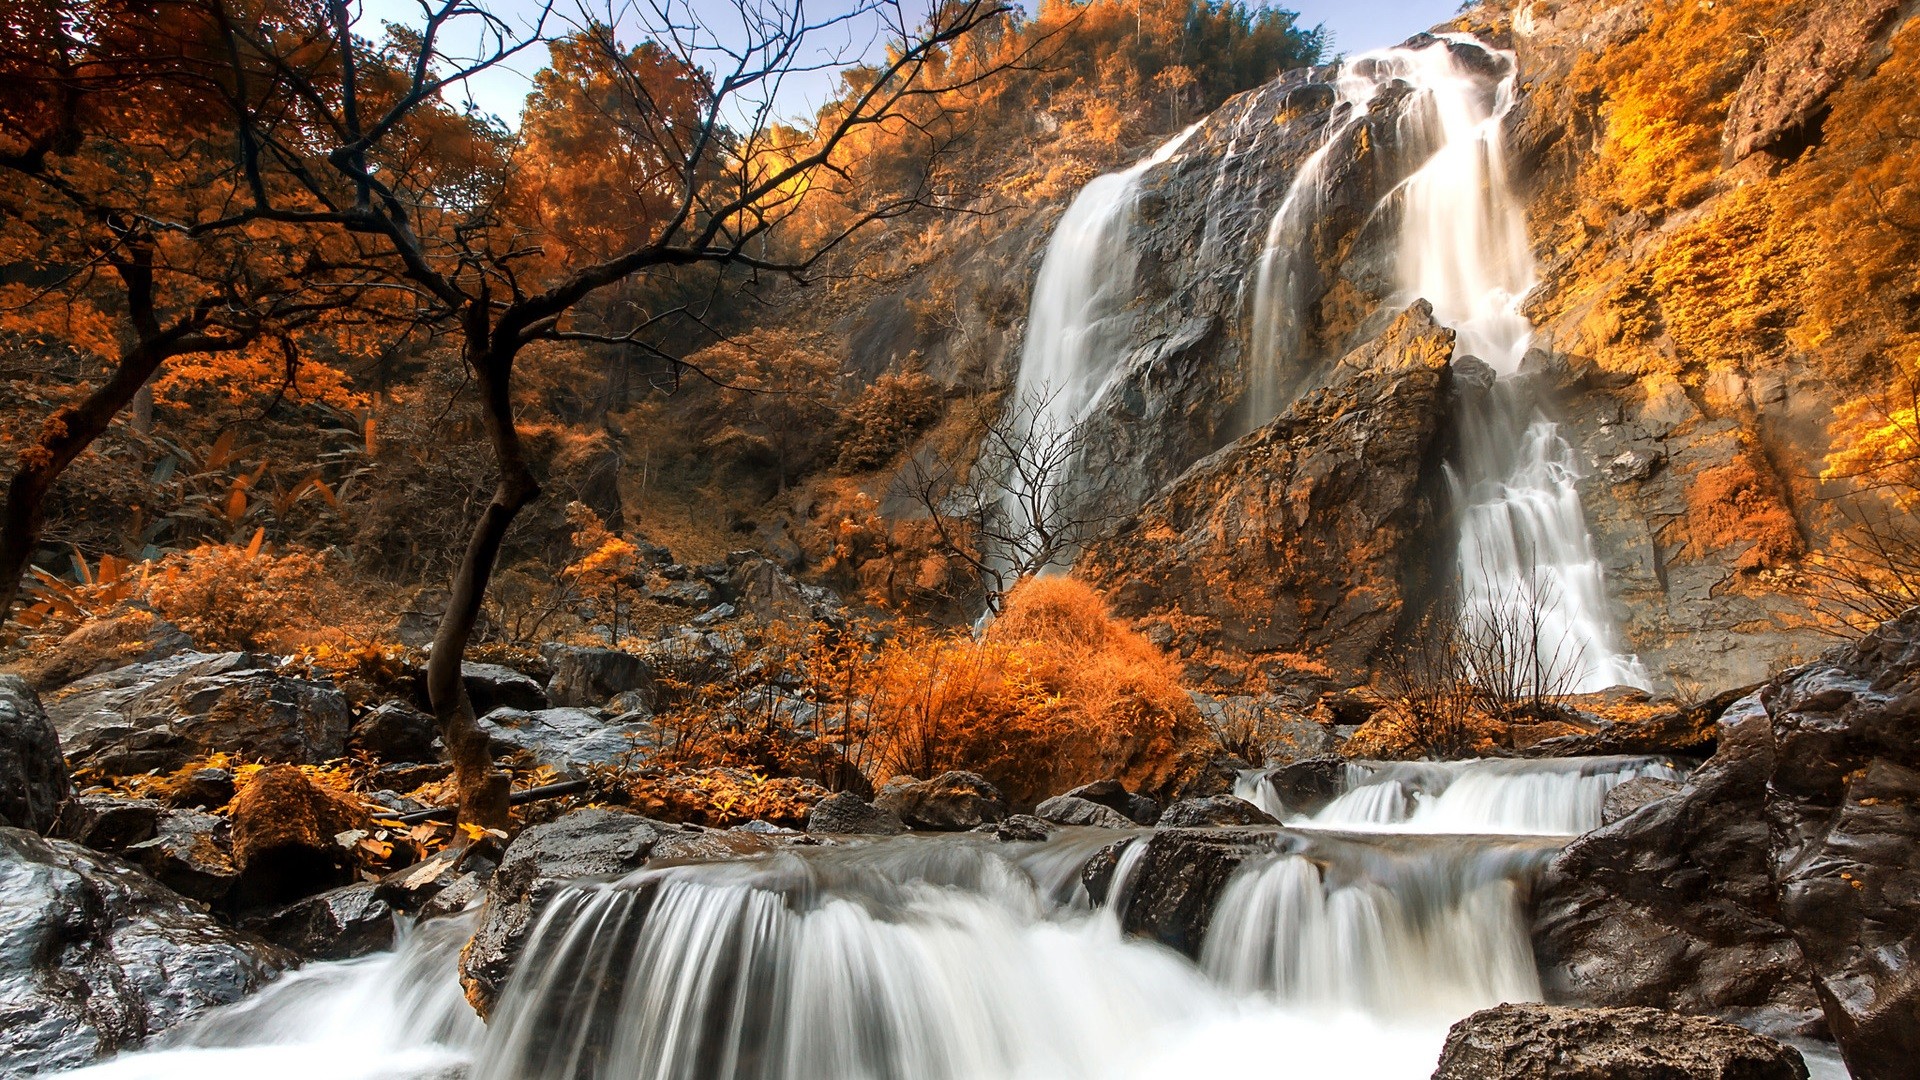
(1532, 590)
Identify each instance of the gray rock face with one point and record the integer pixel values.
(760, 588)
(1019, 829)
(1072, 810)
(495, 686)
(845, 812)
(1634, 794)
(36, 784)
(190, 852)
(589, 678)
(950, 802)
(1215, 810)
(1112, 794)
(396, 731)
(1306, 787)
(336, 925)
(566, 738)
(585, 843)
(163, 714)
(1178, 880)
(95, 957)
(111, 824)
(1843, 802)
(1546, 1042)
(1674, 907)
(1781, 102)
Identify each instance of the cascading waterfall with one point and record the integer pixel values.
(954, 958)
(1532, 589)
(1077, 327)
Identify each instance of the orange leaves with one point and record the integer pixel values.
(1743, 502)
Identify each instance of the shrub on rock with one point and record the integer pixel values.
(285, 837)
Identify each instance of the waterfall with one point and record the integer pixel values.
(1078, 322)
(1532, 593)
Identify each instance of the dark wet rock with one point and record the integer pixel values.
(397, 731)
(339, 924)
(1843, 801)
(1634, 794)
(496, 686)
(845, 812)
(95, 957)
(1112, 794)
(35, 784)
(1782, 101)
(1019, 829)
(950, 802)
(566, 739)
(1214, 811)
(189, 852)
(1175, 885)
(1547, 1042)
(1686, 730)
(590, 677)
(1674, 907)
(464, 891)
(108, 822)
(1071, 810)
(585, 843)
(411, 887)
(1306, 787)
(291, 837)
(1216, 777)
(203, 789)
(1302, 536)
(160, 715)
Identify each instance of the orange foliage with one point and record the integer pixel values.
(1742, 502)
(229, 597)
(1058, 693)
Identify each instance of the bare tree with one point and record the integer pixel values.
(1010, 513)
(1519, 659)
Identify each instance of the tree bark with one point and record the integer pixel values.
(483, 791)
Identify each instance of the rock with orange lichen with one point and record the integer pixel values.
(1306, 536)
(286, 837)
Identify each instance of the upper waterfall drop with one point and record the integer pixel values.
(1532, 591)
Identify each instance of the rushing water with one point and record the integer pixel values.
(1342, 952)
(1532, 589)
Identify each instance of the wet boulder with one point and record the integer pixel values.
(1843, 803)
(1178, 880)
(1072, 810)
(36, 784)
(1112, 794)
(1306, 787)
(759, 587)
(339, 924)
(291, 837)
(1019, 829)
(95, 957)
(162, 715)
(951, 802)
(566, 738)
(203, 789)
(1547, 1042)
(1214, 811)
(396, 731)
(1674, 906)
(190, 852)
(589, 678)
(845, 812)
(1629, 797)
(110, 823)
(585, 843)
(496, 686)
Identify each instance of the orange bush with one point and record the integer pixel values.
(1058, 693)
(229, 597)
(1740, 501)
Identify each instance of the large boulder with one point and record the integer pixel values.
(396, 731)
(1215, 810)
(496, 686)
(1112, 794)
(1174, 887)
(1073, 810)
(760, 588)
(1843, 802)
(36, 784)
(588, 678)
(1673, 906)
(1301, 537)
(566, 739)
(188, 851)
(110, 823)
(585, 843)
(339, 924)
(1546, 1042)
(1306, 787)
(845, 812)
(951, 802)
(95, 957)
(163, 714)
(291, 837)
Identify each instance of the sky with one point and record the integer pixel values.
(1354, 25)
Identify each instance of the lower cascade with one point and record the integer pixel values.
(1352, 937)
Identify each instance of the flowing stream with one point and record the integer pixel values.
(1344, 951)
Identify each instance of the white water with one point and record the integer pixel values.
(1549, 797)
(1532, 589)
(1338, 955)
(1078, 323)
